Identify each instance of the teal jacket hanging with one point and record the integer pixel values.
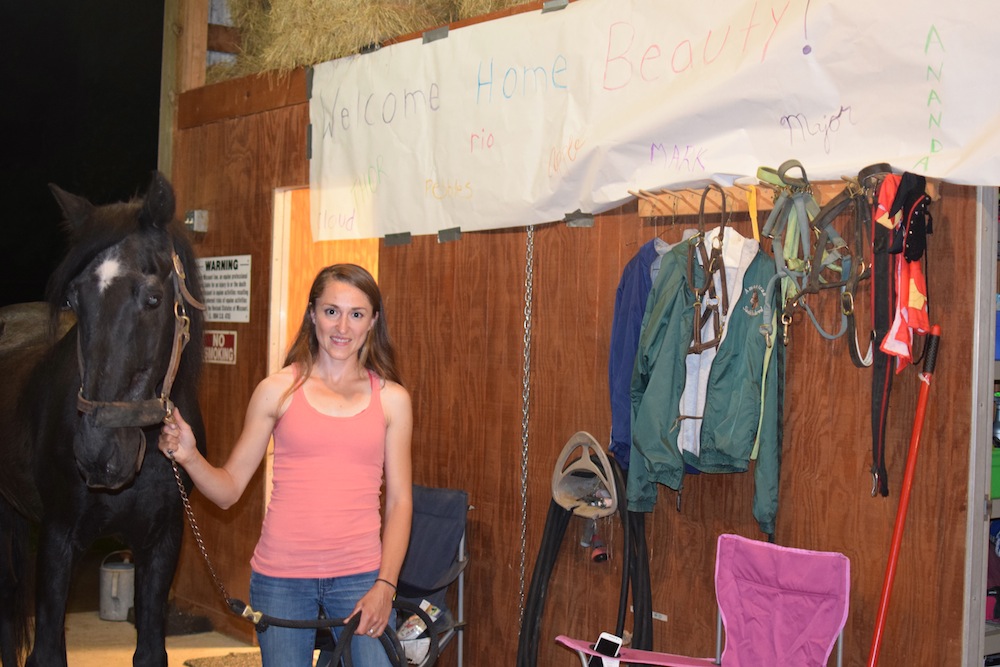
(741, 406)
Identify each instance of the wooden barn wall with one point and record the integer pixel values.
(456, 313)
(231, 167)
(457, 316)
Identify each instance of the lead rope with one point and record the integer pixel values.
(525, 402)
(261, 621)
(197, 533)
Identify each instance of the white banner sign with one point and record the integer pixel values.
(523, 119)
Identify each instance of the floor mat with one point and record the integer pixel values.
(231, 660)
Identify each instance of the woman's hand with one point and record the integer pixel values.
(177, 441)
(375, 607)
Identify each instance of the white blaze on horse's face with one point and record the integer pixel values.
(107, 271)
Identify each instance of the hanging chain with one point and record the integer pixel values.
(196, 532)
(525, 402)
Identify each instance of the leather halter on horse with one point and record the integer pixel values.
(117, 414)
(707, 300)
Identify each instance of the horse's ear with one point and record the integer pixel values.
(159, 205)
(74, 207)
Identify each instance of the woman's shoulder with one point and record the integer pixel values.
(282, 378)
(393, 393)
(277, 384)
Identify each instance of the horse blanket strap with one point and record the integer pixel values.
(118, 414)
(707, 298)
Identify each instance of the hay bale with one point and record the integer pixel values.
(287, 34)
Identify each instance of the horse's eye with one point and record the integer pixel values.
(67, 304)
(152, 301)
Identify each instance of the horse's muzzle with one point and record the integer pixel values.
(109, 459)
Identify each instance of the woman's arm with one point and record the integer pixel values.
(377, 603)
(398, 484)
(224, 486)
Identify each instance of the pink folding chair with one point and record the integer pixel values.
(778, 605)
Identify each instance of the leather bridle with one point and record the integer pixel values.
(117, 414)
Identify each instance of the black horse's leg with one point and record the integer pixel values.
(15, 586)
(155, 565)
(57, 553)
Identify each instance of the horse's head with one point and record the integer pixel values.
(125, 278)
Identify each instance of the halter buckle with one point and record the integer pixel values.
(847, 303)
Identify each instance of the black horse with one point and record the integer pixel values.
(76, 414)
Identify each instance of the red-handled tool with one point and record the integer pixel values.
(930, 360)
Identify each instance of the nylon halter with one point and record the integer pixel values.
(117, 414)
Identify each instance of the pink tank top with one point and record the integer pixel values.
(323, 519)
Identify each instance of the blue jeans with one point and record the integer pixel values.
(301, 599)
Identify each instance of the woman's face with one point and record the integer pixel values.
(342, 316)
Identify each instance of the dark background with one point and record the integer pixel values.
(79, 107)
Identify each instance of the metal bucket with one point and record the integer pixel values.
(117, 583)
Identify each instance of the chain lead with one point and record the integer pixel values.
(196, 532)
(525, 402)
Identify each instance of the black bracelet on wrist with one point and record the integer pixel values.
(389, 584)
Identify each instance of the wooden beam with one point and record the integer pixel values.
(671, 203)
(223, 38)
(240, 97)
(168, 89)
(191, 33)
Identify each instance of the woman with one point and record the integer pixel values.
(340, 419)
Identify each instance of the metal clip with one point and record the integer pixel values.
(847, 303)
(254, 616)
(168, 408)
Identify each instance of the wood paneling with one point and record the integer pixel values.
(456, 313)
(458, 319)
(231, 168)
(242, 97)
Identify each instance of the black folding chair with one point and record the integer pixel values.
(435, 561)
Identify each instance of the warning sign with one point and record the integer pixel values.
(226, 283)
(220, 347)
